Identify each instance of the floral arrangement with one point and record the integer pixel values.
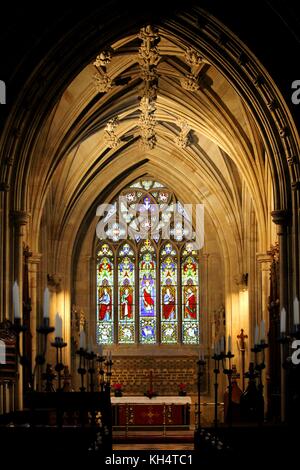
(182, 389)
(117, 386)
(118, 389)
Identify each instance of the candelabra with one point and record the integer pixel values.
(259, 366)
(90, 357)
(109, 364)
(59, 344)
(201, 364)
(82, 366)
(242, 348)
(45, 329)
(227, 370)
(216, 357)
(100, 359)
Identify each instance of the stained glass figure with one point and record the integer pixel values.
(168, 283)
(126, 271)
(189, 276)
(147, 276)
(105, 270)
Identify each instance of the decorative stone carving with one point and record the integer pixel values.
(149, 34)
(147, 124)
(78, 323)
(148, 56)
(192, 57)
(183, 140)
(148, 142)
(110, 137)
(190, 82)
(102, 82)
(103, 59)
(147, 106)
(54, 280)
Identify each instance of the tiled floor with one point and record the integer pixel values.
(150, 440)
(153, 446)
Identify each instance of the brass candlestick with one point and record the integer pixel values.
(59, 344)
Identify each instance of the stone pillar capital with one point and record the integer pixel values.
(263, 258)
(281, 217)
(54, 281)
(35, 258)
(20, 218)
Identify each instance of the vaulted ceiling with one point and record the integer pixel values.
(149, 104)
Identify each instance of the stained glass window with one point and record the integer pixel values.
(105, 295)
(168, 287)
(126, 288)
(147, 269)
(190, 295)
(147, 291)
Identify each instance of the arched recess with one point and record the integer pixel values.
(23, 137)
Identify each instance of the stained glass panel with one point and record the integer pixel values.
(147, 210)
(126, 286)
(147, 289)
(168, 283)
(105, 275)
(190, 306)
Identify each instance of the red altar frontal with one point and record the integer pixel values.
(140, 412)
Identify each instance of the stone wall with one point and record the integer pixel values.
(168, 372)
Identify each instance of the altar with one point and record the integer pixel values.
(138, 412)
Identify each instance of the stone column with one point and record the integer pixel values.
(263, 270)
(19, 219)
(36, 316)
(263, 283)
(282, 219)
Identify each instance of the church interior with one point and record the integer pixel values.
(149, 237)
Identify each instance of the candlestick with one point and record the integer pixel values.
(46, 303)
(91, 344)
(262, 331)
(229, 343)
(58, 326)
(82, 340)
(283, 320)
(16, 300)
(296, 311)
(256, 334)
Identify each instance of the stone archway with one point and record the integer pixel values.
(32, 178)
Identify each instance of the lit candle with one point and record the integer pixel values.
(283, 320)
(91, 344)
(296, 311)
(222, 344)
(256, 335)
(100, 350)
(16, 300)
(262, 331)
(229, 343)
(46, 303)
(58, 326)
(82, 340)
(110, 356)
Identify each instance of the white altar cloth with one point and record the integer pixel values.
(151, 401)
